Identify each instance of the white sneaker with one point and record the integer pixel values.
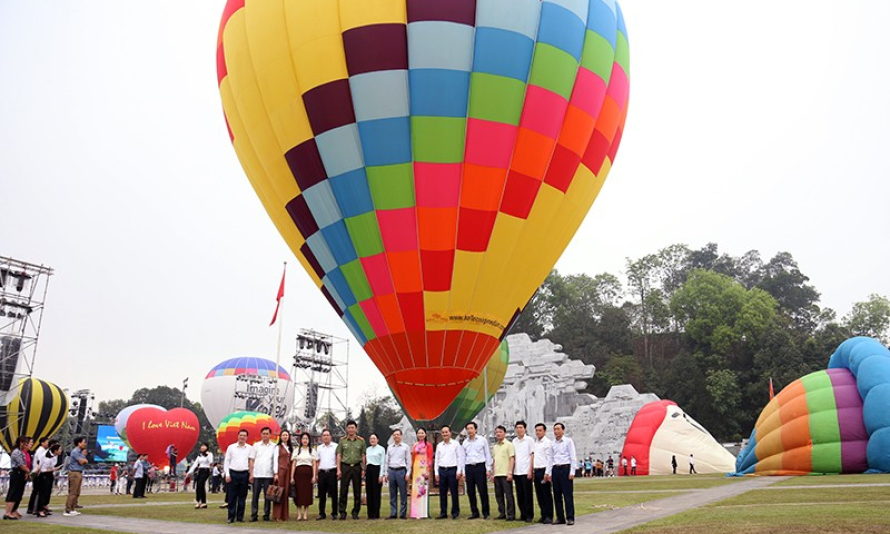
(71, 513)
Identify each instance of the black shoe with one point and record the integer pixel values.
(529, 520)
(403, 517)
(392, 517)
(230, 521)
(547, 521)
(486, 517)
(443, 516)
(455, 516)
(253, 520)
(570, 522)
(342, 517)
(559, 522)
(474, 516)
(501, 517)
(334, 518)
(354, 516)
(265, 518)
(240, 520)
(321, 518)
(511, 519)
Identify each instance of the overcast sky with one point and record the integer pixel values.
(755, 124)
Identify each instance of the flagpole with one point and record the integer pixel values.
(278, 352)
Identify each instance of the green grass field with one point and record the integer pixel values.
(781, 511)
(857, 507)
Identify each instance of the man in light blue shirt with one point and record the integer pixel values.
(398, 459)
(565, 460)
(477, 456)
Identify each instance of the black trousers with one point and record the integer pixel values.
(201, 485)
(351, 474)
(260, 485)
(139, 490)
(327, 487)
(477, 481)
(503, 490)
(544, 493)
(563, 493)
(524, 500)
(236, 497)
(46, 481)
(448, 482)
(129, 484)
(35, 497)
(374, 489)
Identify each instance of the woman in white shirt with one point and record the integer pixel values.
(305, 464)
(201, 470)
(46, 478)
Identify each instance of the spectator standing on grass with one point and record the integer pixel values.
(36, 458)
(449, 468)
(503, 461)
(543, 462)
(375, 455)
(281, 509)
(564, 461)
(47, 477)
(76, 461)
(624, 465)
(351, 461)
(19, 469)
(523, 472)
(633, 465)
(112, 476)
(237, 470)
(477, 470)
(201, 471)
(692, 465)
(263, 472)
(304, 461)
(140, 476)
(398, 461)
(674, 463)
(327, 475)
(215, 478)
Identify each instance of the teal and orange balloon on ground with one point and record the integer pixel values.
(426, 161)
(831, 421)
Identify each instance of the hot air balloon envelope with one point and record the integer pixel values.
(120, 422)
(426, 161)
(38, 408)
(253, 422)
(152, 430)
(247, 384)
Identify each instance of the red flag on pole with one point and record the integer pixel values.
(280, 295)
(771, 392)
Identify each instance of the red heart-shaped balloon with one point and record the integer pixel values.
(151, 431)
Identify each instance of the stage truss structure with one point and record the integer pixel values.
(320, 373)
(23, 289)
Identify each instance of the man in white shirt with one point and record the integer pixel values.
(477, 469)
(523, 472)
(327, 475)
(543, 462)
(565, 461)
(398, 459)
(633, 465)
(263, 470)
(449, 467)
(692, 465)
(237, 470)
(38, 456)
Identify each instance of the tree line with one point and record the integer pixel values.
(702, 328)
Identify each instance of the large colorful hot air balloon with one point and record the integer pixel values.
(427, 162)
(120, 422)
(253, 422)
(661, 430)
(38, 409)
(247, 384)
(832, 421)
(151, 430)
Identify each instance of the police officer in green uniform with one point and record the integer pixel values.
(351, 468)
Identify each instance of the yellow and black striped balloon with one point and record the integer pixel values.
(38, 409)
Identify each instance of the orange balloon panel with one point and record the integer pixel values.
(427, 162)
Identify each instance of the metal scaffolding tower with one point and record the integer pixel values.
(320, 373)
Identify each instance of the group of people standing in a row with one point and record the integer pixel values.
(41, 468)
(535, 465)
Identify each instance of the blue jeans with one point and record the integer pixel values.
(397, 482)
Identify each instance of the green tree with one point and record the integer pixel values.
(622, 370)
(870, 318)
